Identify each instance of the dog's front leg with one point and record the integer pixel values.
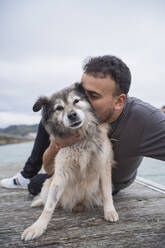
(37, 229)
(110, 213)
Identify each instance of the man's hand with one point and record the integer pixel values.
(67, 141)
(54, 147)
(49, 157)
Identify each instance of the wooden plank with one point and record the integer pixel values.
(141, 224)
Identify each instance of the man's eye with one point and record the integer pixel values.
(60, 108)
(76, 101)
(93, 96)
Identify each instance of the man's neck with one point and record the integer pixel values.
(115, 116)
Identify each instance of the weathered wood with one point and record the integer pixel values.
(141, 224)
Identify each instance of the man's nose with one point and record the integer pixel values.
(72, 116)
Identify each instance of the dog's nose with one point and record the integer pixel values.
(72, 116)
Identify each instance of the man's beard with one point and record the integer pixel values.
(107, 117)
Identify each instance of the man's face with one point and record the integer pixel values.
(163, 109)
(100, 92)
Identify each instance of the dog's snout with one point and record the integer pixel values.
(72, 116)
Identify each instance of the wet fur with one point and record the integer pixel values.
(82, 171)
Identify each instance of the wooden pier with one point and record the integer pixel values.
(141, 210)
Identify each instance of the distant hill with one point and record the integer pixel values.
(17, 133)
(4, 140)
(19, 130)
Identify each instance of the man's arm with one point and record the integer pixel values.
(55, 145)
(152, 142)
(49, 157)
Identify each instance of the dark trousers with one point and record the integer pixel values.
(34, 162)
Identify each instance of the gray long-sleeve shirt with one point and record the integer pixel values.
(138, 132)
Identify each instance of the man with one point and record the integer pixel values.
(163, 108)
(137, 128)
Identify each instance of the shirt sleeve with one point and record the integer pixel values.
(152, 143)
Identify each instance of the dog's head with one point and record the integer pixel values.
(65, 111)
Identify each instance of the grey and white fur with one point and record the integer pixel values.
(82, 170)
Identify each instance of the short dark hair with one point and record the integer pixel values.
(112, 66)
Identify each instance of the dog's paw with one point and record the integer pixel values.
(37, 203)
(32, 232)
(111, 215)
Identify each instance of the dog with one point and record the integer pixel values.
(82, 170)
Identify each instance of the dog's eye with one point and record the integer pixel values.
(76, 101)
(60, 108)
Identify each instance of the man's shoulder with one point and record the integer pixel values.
(139, 105)
(144, 110)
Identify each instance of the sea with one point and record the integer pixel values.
(150, 169)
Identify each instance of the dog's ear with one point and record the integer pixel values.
(41, 102)
(80, 88)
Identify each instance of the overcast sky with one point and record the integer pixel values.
(43, 44)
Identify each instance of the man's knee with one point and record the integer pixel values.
(36, 183)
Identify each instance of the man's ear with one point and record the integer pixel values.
(42, 101)
(119, 102)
